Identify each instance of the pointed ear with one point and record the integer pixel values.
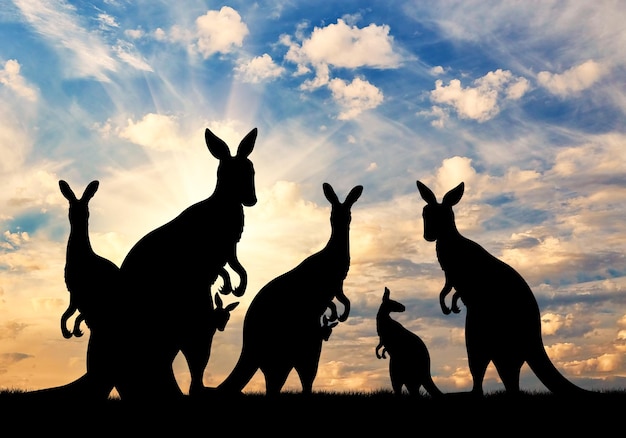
(354, 194)
(217, 146)
(67, 192)
(90, 190)
(386, 294)
(247, 144)
(218, 301)
(232, 306)
(453, 196)
(426, 193)
(330, 194)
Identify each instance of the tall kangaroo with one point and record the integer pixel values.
(90, 278)
(169, 272)
(409, 360)
(281, 329)
(487, 285)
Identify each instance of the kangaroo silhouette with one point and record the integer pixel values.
(168, 274)
(164, 288)
(409, 360)
(89, 277)
(281, 329)
(487, 285)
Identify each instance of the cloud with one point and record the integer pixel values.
(259, 69)
(10, 77)
(480, 102)
(127, 53)
(345, 46)
(573, 80)
(355, 97)
(83, 52)
(215, 32)
(154, 131)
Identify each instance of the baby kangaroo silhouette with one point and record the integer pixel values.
(409, 360)
(487, 285)
(89, 278)
(281, 329)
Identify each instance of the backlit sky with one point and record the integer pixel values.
(523, 101)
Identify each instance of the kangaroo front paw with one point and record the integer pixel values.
(78, 333)
(239, 291)
(66, 333)
(224, 290)
(445, 310)
(455, 309)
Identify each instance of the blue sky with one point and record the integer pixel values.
(522, 101)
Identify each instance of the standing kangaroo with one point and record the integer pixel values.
(487, 285)
(168, 274)
(281, 329)
(409, 360)
(89, 278)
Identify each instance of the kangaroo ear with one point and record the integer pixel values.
(217, 146)
(247, 144)
(218, 300)
(90, 190)
(453, 196)
(426, 193)
(232, 306)
(354, 194)
(330, 194)
(67, 192)
(386, 294)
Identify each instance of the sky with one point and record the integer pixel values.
(524, 102)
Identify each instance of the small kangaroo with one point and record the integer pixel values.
(89, 278)
(281, 328)
(487, 285)
(409, 360)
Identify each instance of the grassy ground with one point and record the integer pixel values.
(293, 414)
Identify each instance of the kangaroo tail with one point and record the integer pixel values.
(551, 377)
(433, 390)
(240, 375)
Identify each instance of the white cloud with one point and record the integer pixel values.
(259, 69)
(127, 53)
(219, 31)
(571, 81)
(153, 131)
(342, 45)
(480, 102)
(10, 77)
(355, 97)
(84, 53)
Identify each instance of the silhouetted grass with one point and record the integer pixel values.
(293, 414)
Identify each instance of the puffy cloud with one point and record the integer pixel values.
(153, 131)
(219, 31)
(10, 77)
(480, 102)
(572, 81)
(259, 69)
(355, 97)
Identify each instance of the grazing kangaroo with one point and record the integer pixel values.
(281, 329)
(409, 360)
(169, 272)
(89, 278)
(487, 285)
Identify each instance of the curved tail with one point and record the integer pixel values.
(433, 390)
(551, 377)
(240, 375)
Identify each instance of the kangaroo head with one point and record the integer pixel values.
(235, 175)
(388, 305)
(439, 218)
(327, 329)
(340, 214)
(222, 314)
(79, 208)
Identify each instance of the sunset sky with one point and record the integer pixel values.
(525, 102)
